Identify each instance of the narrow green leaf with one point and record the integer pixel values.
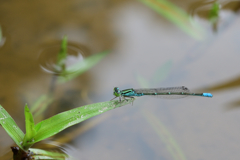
(30, 130)
(177, 16)
(42, 154)
(11, 127)
(81, 67)
(69, 118)
(38, 126)
(214, 12)
(45, 157)
(62, 56)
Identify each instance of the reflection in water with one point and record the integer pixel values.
(2, 39)
(164, 135)
(202, 8)
(55, 150)
(233, 83)
(176, 15)
(214, 15)
(7, 155)
(233, 105)
(31, 23)
(48, 58)
(213, 11)
(232, 5)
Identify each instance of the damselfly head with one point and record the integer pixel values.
(116, 91)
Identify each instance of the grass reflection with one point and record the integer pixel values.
(164, 135)
(63, 74)
(177, 16)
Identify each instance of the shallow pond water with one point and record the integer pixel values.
(146, 50)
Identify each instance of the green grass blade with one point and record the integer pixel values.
(62, 55)
(42, 154)
(69, 118)
(214, 12)
(45, 157)
(165, 136)
(81, 67)
(11, 127)
(177, 16)
(39, 157)
(30, 128)
(38, 126)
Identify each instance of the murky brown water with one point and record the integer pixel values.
(142, 44)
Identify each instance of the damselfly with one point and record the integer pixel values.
(169, 92)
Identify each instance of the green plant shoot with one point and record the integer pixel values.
(53, 125)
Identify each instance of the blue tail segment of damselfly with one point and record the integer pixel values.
(169, 92)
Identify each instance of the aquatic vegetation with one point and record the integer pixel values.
(59, 122)
(177, 16)
(64, 74)
(214, 12)
(50, 126)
